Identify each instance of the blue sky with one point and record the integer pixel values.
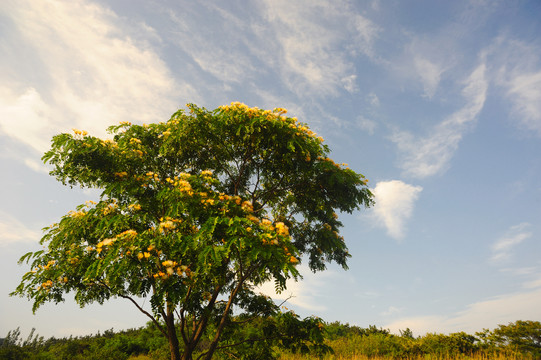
(437, 103)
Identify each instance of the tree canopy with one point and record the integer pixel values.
(194, 214)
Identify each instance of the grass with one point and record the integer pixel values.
(419, 357)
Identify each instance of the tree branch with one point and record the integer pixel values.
(146, 313)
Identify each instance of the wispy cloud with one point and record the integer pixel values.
(429, 73)
(88, 69)
(366, 125)
(394, 205)
(391, 311)
(503, 247)
(518, 72)
(426, 156)
(14, 231)
(373, 99)
(525, 92)
(306, 292)
(313, 54)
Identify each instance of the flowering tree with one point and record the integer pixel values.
(194, 214)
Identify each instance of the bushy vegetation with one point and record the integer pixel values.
(518, 340)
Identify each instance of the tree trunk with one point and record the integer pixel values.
(223, 320)
(172, 337)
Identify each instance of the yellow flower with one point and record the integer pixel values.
(134, 207)
(107, 242)
(140, 256)
(253, 219)
(293, 260)
(282, 229)
(247, 205)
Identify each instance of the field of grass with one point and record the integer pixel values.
(419, 357)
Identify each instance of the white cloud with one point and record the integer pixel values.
(36, 166)
(534, 283)
(14, 231)
(503, 247)
(430, 155)
(285, 41)
(88, 73)
(477, 316)
(430, 75)
(303, 293)
(366, 124)
(373, 99)
(313, 53)
(394, 201)
(519, 74)
(24, 117)
(525, 91)
(391, 311)
(218, 48)
(349, 83)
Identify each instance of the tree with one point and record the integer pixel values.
(194, 213)
(523, 336)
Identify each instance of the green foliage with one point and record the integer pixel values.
(109, 345)
(194, 214)
(522, 336)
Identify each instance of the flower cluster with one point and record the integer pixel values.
(152, 176)
(49, 264)
(180, 183)
(110, 208)
(142, 255)
(166, 225)
(128, 234)
(275, 114)
(165, 134)
(47, 284)
(105, 242)
(109, 143)
(282, 229)
(79, 132)
(134, 207)
(77, 214)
